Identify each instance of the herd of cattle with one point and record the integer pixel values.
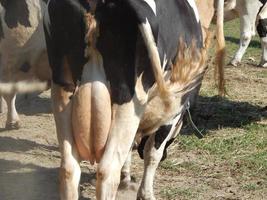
(118, 70)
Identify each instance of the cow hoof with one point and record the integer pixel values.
(145, 195)
(262, 65)
(127, 184)
(12, 126)
(145, 198)
(234, 63)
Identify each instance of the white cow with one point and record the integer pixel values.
(23, 52)
(247, 11)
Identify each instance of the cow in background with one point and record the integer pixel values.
(247, 11)
(24, 59)
(104, 70)
(262, 31)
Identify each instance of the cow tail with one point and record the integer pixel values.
(220, 48)
(153, 53)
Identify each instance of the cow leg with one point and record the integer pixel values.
(70, 169)
(154, 152)
(1, 105)
(12, 121)
(247, 30)
(126, 172)
(245, 37)
(125, 121)
(263, 62)
(262, 31)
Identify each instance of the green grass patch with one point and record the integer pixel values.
(250, 187)
(171, 165)
(252, 137)
(243, 151)
(253, 186)
(262, 74)
(172, 193)
(255, 163)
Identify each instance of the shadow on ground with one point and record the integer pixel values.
(27, 181)
(33, 104)
(30, 182)
(9, 144)
(253, 43)
(216, 112)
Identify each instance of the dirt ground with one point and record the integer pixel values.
(29, 157)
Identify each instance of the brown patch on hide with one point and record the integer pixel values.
(189, 64)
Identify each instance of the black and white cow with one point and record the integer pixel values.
(262, 31)
(23, 52)
(120, 67)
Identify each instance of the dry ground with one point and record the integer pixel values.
(229, 163)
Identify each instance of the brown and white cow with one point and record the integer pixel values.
(125, 67)
(24, 59)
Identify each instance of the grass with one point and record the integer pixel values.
(235, 145)
(171, 193)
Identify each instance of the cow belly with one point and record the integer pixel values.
(91, 119)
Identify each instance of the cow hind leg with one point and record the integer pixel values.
(70, 169)
(126, 172)
(155, 150)
(263, 62)
(262, 31)
(125, 121)
(12, 121)
(1, 105)
(126, 179)
(245, 38)
(247, 30)
(152, 157)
